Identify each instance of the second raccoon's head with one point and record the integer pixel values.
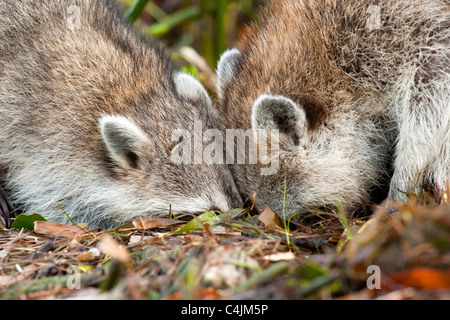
(140, 156)
(322, 159)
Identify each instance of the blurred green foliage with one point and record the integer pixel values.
(208, 26)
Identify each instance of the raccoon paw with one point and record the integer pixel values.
(7, 209)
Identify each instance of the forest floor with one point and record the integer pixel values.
(236, 256)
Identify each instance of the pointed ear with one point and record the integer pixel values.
(189, 87)
(226, 69)
(280, 113)
(124, 140)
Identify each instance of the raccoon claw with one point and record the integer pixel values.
(6, 209)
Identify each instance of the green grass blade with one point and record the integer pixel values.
(136, 10)
(175, 19)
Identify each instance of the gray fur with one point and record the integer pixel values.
(87, 110)
(369, 94)
(282, 114)
(226, 69)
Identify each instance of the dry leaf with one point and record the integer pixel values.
(152, 222)
(423, 278)
(86, 256)
(90, 255)
(270, 218)
(194, 238)
(200, 294)
(108, 245)
(56, 229)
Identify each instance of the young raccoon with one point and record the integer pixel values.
(350, 87)
(87, 112)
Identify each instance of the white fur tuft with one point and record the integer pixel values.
(226, 68)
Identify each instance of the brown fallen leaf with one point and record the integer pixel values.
(109, 246)
(423, 278)
(153, 222)
(90, 255)
(200, 294)
(270, 218)
(194, 238)
(57, 230)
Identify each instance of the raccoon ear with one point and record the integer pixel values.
(226, 68)
(124, 140)
(278, 112)
(189, 87)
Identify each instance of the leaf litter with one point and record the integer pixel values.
(233, 255)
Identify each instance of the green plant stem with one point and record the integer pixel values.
(67, 215)
(135, 10)
(174, 20)
(286, 224)
(220, 32)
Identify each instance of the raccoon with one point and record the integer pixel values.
(87, 111)
(357, 91)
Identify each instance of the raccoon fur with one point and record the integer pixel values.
(357, 90)
(87, 111)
